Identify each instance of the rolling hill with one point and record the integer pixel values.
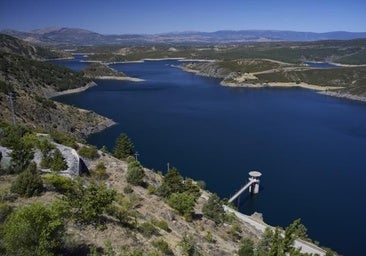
(76, 37)
(30, 83)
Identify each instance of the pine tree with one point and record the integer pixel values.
(21, 157)
(172, 183)
(123, 147)
(58, 162)
(213, 209)
(29, 183)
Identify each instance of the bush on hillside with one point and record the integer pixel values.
(64, 139)
(90, 152)
(213, 209)
(246, 247)
(163, 247)
(33, 230)
(29, 183)
(183, 203)
(59, 183)
(5, 210)
(172, 183)
(90, 202)
(100, 172)
(135, 173)
(58, 162)
(21, 157)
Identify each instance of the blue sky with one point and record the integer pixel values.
(158, 16)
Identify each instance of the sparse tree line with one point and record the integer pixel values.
(40, 229)
(44, 73)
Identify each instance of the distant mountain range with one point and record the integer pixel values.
(78, 37)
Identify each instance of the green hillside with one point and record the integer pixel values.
(31, 83)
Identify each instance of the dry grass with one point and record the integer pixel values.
(148, 208)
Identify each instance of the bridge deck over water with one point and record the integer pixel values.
(241, 191)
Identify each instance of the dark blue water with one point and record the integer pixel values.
(309, 147)
(76, 64)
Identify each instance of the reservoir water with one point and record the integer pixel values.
(309, 147)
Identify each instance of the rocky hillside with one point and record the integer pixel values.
(350, 80)
(98, 70)
(31, 83)
(13, 45)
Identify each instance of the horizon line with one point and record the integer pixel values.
(175, 32)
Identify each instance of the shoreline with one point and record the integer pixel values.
(189, 70)
(123, 62)
(347, 65)
(92, 84)
(282, 84)
(345, 96)
(61, 58)
(72, 91)
(181, 59)
(159, 59)
(121, 78)
(325, 90)
(196, 60)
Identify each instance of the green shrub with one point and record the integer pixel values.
(100, 171)
(235, 232)
(189, 246)
(123, 211)
(5, 211)
(64, 139)
(246, 247)
(90, 202)
(209, 237)
(192, 188)
(33, 230)
(58, 162)
(151, 189)
(11, 135)
(21, 157)
(60, 183)
(30, 139)
(182, 202)
(162, 225)
(147, 229)
(163, 246)
(5, 192)
(213, 209)
(90, 152)
(172, 183)
(29, 183)
(52, 157)
(135, 173)
(46, 147)
(128, 189)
